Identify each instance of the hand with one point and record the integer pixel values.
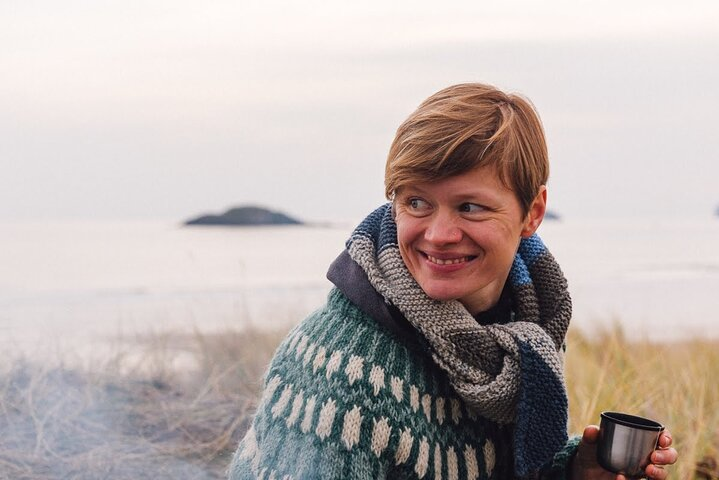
(585, 466)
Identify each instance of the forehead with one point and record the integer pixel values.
(421, 175)
(482, 182)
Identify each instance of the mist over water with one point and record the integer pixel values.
(86, 286)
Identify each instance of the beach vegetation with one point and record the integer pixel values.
(175, 405)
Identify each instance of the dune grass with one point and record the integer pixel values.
(178, 405)
(174, 408)
(675, 383)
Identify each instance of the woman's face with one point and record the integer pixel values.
(458, 236)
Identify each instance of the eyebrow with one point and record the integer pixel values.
(480, 196)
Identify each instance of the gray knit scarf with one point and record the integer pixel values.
(509, 373)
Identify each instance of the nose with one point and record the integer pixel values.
(443, 230)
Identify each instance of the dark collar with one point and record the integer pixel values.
(352, 281)
(501, 312)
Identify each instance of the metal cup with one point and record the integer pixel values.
(626, 442)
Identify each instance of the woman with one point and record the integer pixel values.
(438, 352)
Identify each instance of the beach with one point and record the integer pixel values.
(136, 349)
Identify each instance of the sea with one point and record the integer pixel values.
(79, 286)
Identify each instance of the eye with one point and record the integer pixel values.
(417, 206)
(471, 208)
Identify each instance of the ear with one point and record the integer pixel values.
(536, 212)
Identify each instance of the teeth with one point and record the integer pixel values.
(452, 261)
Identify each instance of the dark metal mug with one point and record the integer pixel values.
(626, 443)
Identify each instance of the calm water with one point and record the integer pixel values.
(77, 285)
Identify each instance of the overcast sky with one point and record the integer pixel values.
(166, 109)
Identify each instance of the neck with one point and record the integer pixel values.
(484, 300)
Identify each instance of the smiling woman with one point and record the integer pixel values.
(458, 236)
(439, 352)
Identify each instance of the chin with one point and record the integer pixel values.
(440, 293)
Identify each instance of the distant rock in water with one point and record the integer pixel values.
(247, 215)
(549, 215)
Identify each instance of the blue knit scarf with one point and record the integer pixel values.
(509, 373)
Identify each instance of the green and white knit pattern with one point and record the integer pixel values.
(510, 373)
(344, 399)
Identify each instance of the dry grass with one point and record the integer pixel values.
(675, 383)
(135, 417)
(178, 408)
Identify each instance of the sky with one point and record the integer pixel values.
(169, 109)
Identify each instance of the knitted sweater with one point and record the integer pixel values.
(346, 397)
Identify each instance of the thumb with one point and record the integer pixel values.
(590, 435)
(586, 454)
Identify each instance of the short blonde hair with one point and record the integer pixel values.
(467, 126)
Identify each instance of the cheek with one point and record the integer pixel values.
(405, 250)
(489, 235)
(499, 240)
(505, 244)
(407, 229)
(408, 234)
(506, 231)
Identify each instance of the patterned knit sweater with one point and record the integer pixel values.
(348, 398)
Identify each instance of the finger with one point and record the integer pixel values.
(590, 434)
(665, 439)
(666, 456)
(656, 472)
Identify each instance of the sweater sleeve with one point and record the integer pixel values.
(311, 423)
(558, 469)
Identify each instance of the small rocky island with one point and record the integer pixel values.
(550, 215)
(245, 216)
